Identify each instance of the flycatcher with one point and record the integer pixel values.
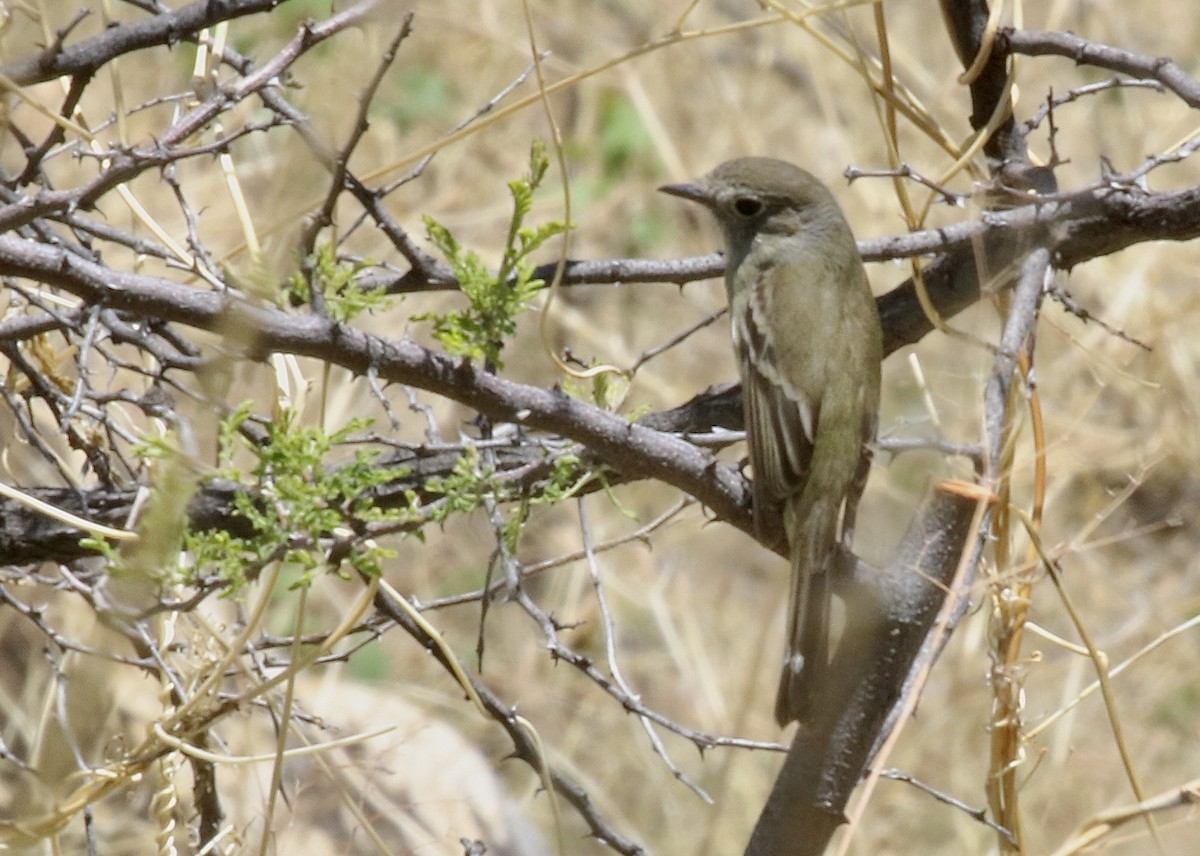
(808, 344)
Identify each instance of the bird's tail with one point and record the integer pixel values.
(812, 528)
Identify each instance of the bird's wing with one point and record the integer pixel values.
(780, 418)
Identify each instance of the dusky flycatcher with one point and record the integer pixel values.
(808, 344)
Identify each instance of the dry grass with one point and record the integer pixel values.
(699, 614)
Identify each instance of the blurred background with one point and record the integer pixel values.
(697, 606)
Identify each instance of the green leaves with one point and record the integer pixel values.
(313, 515)
(480, 331)
(337, 280)
(296, 502)
(471, 483)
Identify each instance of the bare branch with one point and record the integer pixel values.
(987, 70)
(165, 28)
(891, 617)
(633, 449)
(1167, 72)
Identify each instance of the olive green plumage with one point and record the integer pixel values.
(808, 343)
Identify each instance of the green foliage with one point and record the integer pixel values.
(426, 94)
(162, 526)
(296, 502)
(623, 137)
(621, 148)
(494, 300)
(471, 482)
(293, 500)
(337, 280)
(463, 490)
(606, 389)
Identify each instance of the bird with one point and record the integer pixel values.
(808, 344)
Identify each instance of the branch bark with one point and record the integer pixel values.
(891, 616)
(1075, 227)
(166, 28)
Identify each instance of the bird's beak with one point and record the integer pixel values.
(694, 191)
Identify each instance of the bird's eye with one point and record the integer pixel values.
(748, 206)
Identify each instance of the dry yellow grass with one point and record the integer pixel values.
(698, 615)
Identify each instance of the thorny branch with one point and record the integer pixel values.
(164, 28)
(76, 306)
